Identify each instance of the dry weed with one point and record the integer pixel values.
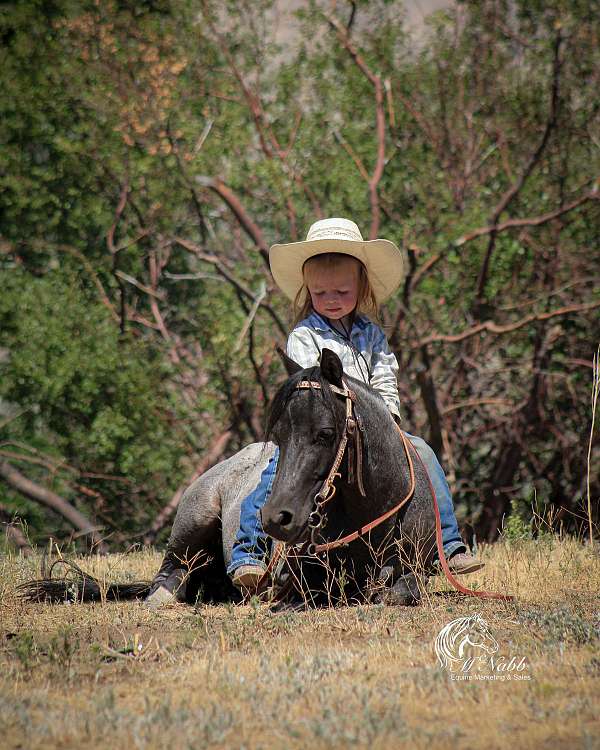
(119, 675)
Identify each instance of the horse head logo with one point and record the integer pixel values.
(463, 641)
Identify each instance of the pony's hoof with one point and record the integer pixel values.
(157, 598)
(404, 593)
(391, 598)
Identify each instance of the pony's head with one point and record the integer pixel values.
(307, 425)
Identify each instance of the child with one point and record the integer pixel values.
(335, 280)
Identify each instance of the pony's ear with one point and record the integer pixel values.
(331, 367)
(289, 364)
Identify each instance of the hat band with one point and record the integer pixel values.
(334, 234)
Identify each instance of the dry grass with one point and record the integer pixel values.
(121, 676)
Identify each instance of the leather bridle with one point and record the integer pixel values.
(352, 440)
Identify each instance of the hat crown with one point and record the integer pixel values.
(334, 229)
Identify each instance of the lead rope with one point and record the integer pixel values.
(408, 447)
(440, 545)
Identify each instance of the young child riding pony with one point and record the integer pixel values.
(337, 281)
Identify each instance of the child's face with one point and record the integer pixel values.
(334, 291)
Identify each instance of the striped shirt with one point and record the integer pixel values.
(365, 355)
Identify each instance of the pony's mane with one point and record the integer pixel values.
(289, 389)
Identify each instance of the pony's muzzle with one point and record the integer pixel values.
(280, 525)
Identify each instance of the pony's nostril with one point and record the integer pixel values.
(284, 518)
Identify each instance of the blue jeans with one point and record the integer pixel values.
(251, 543)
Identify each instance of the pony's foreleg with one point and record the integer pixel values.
(406, 590)
(169, 584)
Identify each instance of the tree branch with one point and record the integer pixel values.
(492, 327)
(532, 221)
(114, 252)
(217, 263)
(51, 500)
(375, 178)
(269, 142)
(252, 230)
(516, 187)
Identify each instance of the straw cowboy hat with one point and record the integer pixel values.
(385, 263)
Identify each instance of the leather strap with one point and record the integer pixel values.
(350, 439)
(388, 514)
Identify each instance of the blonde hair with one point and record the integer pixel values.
(366, 302)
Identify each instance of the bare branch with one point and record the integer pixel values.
(516, 187)
(424, 269)
(283, 155)
(51, 500)
(202, 139)
(352, 154)
(390, 103)
(226, 274)
(114, 251)
(532, 221)
(110, 237)
(375, 178)
(492, 327)
(234, 203)
(250, 317)
(126, 277)
(269, 142)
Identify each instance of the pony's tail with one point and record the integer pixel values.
(78, 586)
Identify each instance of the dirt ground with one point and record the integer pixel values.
(120, 675)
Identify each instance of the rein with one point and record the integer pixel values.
(352, 440)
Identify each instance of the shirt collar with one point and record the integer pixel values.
(318, 323)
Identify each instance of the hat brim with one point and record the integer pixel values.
(386, 264)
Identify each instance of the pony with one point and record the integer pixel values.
(389, 563)
(360, 545)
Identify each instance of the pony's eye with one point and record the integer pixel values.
(324, 437)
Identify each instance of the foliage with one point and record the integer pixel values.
(152, 151)
(89, 399)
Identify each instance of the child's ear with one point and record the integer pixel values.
(331, 367)
(291, 367)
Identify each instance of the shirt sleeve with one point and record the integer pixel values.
(384, 372)
(303, 348)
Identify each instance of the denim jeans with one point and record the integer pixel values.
(251, 543)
